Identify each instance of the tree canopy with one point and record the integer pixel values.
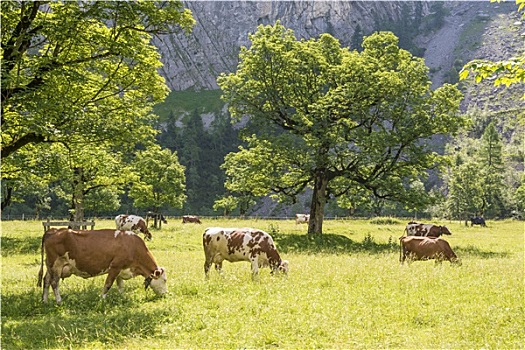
(325, 117)
(81, 73)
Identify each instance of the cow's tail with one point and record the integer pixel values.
(41, 272)
(400, 250)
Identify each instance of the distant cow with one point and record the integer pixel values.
(425, 248)
(426, 230)
(191, 219)
(241, 244)
(132, 223)
(158, 216)
(477, 220)
(302, 218)
(88, 253)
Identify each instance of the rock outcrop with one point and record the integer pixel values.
(194, 61)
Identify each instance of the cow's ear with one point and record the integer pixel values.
(158, 272)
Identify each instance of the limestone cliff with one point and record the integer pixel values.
(194, 61)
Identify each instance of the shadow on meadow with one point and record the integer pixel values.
(83, 317)
(24, 245)
(340, 244)
(331, 243)
(475, 251)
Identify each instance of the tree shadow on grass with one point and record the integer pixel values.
(84, 317)
(331, 244)
(475, 251)
(340, 244)
(25, 245)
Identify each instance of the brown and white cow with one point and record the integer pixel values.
(132, 223)
(241, 244)
(425, 248)
(302, 218)
(426, 230)
(191, 219)
(88, 253)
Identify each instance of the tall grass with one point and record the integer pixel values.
(346, 290)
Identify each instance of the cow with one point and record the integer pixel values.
(157, 216)
(426, 230)
(302, 218)
(241, 244)
(89, 253)
(477, 220)
(132, 223)
(425, 248)
(191, 219)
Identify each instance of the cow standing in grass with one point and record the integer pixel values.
(191, 219)
(241, 244)
(477, 220)
(426, 230)
(132, 223)
(302, 218)
(425, 248)
(89, 253)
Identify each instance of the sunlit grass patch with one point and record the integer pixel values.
(344, 290)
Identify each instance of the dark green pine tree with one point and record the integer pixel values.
(192, 140)
(357, 38)
(168, 136)
(492, 169)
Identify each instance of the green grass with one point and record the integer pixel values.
(346, 290)
(206, 101)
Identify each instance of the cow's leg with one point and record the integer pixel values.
(403, 256)
(112, 275)
(207, 264)
(218, 267)
(47, 283)
(255, 269)
(54, 280)
(120, 284)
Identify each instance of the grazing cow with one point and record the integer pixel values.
(426, 230)
(132, 223)
(88, 253)
(302, 218)
(241, 244)
(425, 248)
(191, 219)
(477, 220)
(157, 216)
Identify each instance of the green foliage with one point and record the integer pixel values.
(181, 102)
(227, 204)
(201, 150)
(81, 74)
(334, 119)
(346, 290)
(161, 180)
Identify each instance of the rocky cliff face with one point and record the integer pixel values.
(194, 61)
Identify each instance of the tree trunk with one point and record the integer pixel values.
(315, 224)
(78, 196)
(7, 197)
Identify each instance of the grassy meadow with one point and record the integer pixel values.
(346, 291)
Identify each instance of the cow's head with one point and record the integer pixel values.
(157, 281)
(147, 234)
(445, 230)
(281, 267)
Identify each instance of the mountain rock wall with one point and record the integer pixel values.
(194, 61)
